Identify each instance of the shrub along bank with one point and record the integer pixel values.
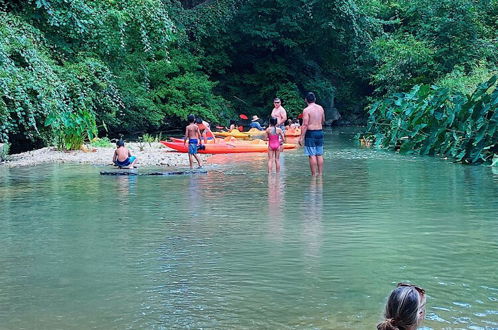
(431, 120)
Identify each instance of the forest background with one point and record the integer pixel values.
(422, 74)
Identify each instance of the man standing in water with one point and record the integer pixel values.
(312, 134)
(279, 113)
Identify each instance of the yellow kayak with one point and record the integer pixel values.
(235, 133)
(293, 132)
(255, 133)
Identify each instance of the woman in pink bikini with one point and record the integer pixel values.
(276, 138)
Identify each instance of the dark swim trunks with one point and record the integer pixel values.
(313, 143)
(126, 162)
(192, 146)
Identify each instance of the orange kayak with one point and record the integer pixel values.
(293, 132)
(226, 147)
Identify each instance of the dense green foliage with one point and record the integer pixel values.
(434, 121)
(73, 69)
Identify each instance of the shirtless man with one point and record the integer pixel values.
(312, 134)
(279, 113)
(193, 134)
(122, 156)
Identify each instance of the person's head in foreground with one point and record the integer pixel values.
(405, 308)
(191, 118)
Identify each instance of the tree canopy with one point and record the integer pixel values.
(73, 69)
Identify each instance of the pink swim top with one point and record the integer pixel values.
(273, 141)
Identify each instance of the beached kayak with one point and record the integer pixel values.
(255, 133)
(235, 133)
(232, 140)
(293, 132)
(226, 147)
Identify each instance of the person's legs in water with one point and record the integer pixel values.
(312, 160)
(190, 160)
(271, 159)
(319, 164)
(199, 162)
(277, 160)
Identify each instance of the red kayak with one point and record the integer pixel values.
(225, 148)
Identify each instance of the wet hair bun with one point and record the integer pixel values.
(387, 324)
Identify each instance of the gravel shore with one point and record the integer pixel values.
(155, 154)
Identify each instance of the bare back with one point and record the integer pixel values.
(122, 153)
(313, 117)
(192, 132)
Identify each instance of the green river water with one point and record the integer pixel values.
(238, 249)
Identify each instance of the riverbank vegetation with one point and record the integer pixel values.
(73, 70)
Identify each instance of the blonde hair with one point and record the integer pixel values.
(402, 309)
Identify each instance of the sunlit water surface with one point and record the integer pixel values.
(236, 248)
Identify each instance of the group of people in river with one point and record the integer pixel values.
(313, 118)
(405, 307)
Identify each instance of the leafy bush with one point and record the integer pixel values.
(403, 61)
(291, 99)
(179, 88)
(147, 138)
(465, 82)
(42, 99)
(4, 151)
(433, 121)
(71, 129)
(103, 142)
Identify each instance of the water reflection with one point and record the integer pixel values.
(312, 217)
(126, 186)
(276, 204)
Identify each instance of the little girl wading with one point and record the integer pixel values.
(275, 139)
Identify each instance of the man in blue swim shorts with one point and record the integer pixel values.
(312, 134)
(122, 156)
(193, 135)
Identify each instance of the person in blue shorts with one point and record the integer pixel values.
(193, 135)
(312, 134)
(122, 156)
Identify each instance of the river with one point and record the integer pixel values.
(237, 248)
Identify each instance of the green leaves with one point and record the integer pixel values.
(42, 99)
(434, 121)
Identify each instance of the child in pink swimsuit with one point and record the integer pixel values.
(275, 135)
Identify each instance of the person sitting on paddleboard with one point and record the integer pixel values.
(122, 156)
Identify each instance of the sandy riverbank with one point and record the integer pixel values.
(154, 155)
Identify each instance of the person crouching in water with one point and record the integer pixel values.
(275, 135)
(193, 134)
(122, 156)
